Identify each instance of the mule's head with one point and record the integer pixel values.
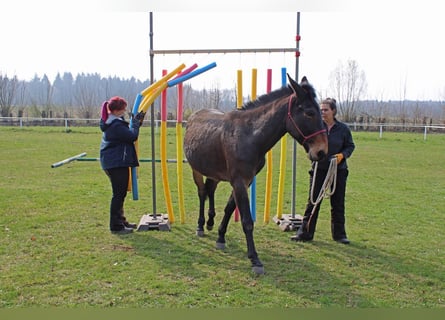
(304, 121)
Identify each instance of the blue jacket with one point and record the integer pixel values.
(117, 146)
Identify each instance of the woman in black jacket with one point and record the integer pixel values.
(117, 155)
(340, 146)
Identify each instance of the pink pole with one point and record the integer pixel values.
(269, 80)
(186, 71)
(180, 92)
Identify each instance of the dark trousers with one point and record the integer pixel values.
(337, 200)
(119, 178)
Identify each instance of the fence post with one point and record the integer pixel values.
(381, 131)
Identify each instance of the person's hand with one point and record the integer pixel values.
(139, 117)
(339, 157)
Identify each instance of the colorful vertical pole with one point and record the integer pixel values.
(153, 91)
(164, 169)
(179, 152)
(282, 161)
(133, 170)
(179, 142)
(253, 184)
(269, 164)
(239, 104)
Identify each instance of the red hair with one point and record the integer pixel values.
(115, 103)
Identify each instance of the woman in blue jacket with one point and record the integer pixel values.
(117, 155)
(340, 146)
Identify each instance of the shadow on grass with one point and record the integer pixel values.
(321, 273)
(398, 280)
(291, 279)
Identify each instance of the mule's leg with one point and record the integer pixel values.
(242, 200)
(228, 211)
(202, 194)
(210, 189)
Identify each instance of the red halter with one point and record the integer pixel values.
(305, 138)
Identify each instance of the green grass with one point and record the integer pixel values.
(56, 249)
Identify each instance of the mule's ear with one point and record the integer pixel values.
(299, 91)
(293, 84)
(307, 86)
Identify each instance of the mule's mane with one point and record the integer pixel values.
(267, 98)
(276, 94)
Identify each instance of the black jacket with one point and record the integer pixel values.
(339, 141)
(117, 146)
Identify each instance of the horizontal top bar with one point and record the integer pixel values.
(199, 51)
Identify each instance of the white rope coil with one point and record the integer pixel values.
(327, 189)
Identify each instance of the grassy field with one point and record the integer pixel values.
(56, 249)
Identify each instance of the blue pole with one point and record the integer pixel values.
(192, 74)
(253, 186)
(134, 178)
(283, 77)
(253, 199)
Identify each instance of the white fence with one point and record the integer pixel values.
(78, 122)
(397, 127)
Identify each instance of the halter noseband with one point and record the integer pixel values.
(305, 138)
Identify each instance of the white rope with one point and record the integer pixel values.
(328, 187)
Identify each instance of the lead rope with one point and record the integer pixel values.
(327, 189)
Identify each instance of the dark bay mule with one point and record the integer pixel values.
(232, 147)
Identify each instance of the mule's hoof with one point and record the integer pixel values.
(210, 228)
(220, 245)
(200, 233)
(258, 270)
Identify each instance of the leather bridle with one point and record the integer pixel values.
(305, 138)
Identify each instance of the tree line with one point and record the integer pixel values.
(82, 96)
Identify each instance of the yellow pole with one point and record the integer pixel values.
(268, 193)
(254, 83)
(239, 104)
(162, 80)
(152, 92)
(164, 169)
(151, 97)
(239, 93)
(129, 181)
(282, 161)
(179, 147)
(282, 176)
(179, 168)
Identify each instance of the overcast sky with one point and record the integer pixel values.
(398, 48)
